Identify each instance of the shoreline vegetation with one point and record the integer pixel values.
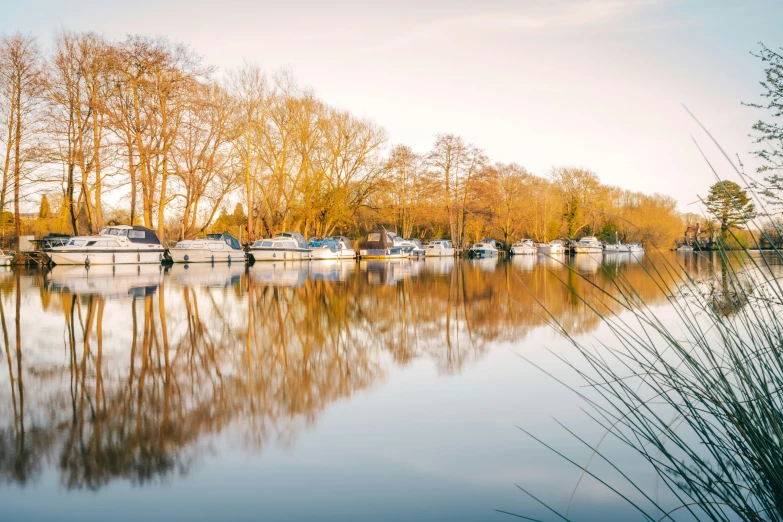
(141, 131)
(696, 395)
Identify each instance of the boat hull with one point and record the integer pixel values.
(116, 257)
(588, 249)
(279, 254)
(388, 253)
(483, 252)
(552, 249)
(523, 251)
(205, 255)
(325, 253)
(439, 252)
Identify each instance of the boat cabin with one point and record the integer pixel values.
(135, 234)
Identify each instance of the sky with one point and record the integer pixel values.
(597, 84)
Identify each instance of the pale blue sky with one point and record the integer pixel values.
(588, 83)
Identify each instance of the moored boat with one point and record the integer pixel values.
(487, 247)
(331, 248)
(553, 247)
(288, 246)
(216, 248)
(638, 247)
(345, 247)
(380, 244)
(5, 259)
(417, 249)
(588, 245)
(121, 244)
(439, 248)
(524, 247)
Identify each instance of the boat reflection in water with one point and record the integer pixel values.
(108, 281)
(331, 269)
(279, 273)
(139, 375)
(485, 264)
(526, 263)
(439, 265)
(390, 272)
(204, 274)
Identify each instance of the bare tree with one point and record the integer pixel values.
(21, 87)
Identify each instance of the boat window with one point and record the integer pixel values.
(216, 246)
(267, 244)
(277, 244)
(136, 234)
(76, 242)
(196, 245)
(183, 245)
(90, 243)
(104, 232)
(290, 244)
(375, 236)
(115, 232)
(121, 232)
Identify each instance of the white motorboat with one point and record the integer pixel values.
(637, 247)
(553, 247)
(216, 248)
(487, 247)
(412, 248)
(5, 259)
(439, 248)
(617, 247)
(345, 247)
(116, 245)
(417, 248)
(524, 247)
(330, 248)
(288, 246)
(588, 245)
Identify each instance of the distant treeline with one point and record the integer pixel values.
(145, 125)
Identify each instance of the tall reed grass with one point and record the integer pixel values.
(699, 399)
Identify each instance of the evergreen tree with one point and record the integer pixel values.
(730, 205)
(45, 210)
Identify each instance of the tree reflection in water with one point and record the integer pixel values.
(158, 362)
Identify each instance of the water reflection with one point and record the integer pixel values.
(157, 360)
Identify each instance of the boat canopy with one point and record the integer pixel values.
(342, 239)
(328, 242)
(301, 242)
(379, 239)
(228, 238)
(135, 234)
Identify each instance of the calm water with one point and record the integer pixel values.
(327, 390)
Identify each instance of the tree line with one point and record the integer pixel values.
(142, 131)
